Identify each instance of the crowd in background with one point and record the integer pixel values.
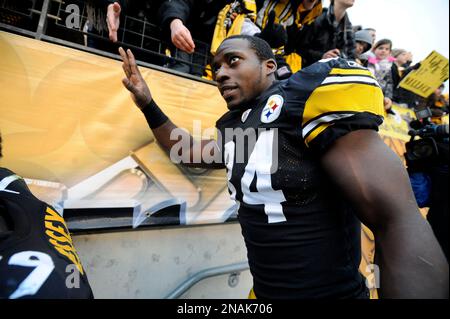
(300, 33)
(183, 35)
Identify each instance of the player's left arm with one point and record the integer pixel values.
(375, 181)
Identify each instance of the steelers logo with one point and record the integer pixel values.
(272, 109)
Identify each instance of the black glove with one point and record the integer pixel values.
(275, 34)
(416, 66)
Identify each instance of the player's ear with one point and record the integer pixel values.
(271, 66)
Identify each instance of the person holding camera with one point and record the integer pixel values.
(427, 163)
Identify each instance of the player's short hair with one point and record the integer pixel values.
(261, 47)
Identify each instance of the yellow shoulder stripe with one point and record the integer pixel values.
(341, 98)
(337, 71)
(345, 97)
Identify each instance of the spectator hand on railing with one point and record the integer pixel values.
(113, 20)
(181, 36)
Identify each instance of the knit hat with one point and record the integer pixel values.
(396, 52)
(364, 36)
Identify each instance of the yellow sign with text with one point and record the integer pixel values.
(433, 71)
(396, 125)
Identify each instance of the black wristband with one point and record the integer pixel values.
(154, 116)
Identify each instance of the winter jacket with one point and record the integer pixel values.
(198, 16)
(382, 70)
(325, 34)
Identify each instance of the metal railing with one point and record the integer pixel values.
(54, 19)
(233, 269)
(23, 14)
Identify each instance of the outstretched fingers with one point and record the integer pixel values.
(126, 64)
(126, 70)
(134, 82)
(133, 65)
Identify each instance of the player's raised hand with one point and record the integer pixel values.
(134, 82)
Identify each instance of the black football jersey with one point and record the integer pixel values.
(302, 237)
(37, 257)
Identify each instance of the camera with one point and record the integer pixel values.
(432, 147)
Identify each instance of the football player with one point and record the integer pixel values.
(37, 256)
(305, 165)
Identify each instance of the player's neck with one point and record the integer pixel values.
(270, 82)
(266, 87)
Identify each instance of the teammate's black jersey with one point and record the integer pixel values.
(37, 258)
(302, 237)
